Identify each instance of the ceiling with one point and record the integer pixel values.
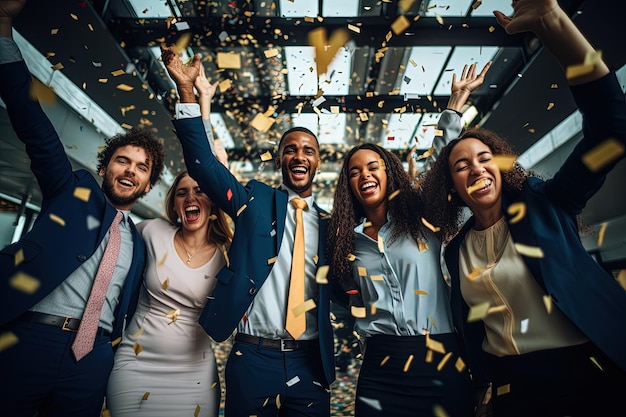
(382, 86)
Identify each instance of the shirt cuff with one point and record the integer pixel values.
(187, 110)
(9, 52)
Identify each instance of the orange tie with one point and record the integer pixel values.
(297, 325)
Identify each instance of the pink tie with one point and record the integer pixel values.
(83, 344)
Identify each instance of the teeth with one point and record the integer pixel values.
(368, 184)
(301, 170)
(192, 208)
(126, 182)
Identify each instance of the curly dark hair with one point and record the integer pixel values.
(141, 138)
(444, 208)
(219, 231)
(405, 211)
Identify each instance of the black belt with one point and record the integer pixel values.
(67, 324)
(284, 345)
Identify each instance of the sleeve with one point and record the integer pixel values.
(603, 107)
(450, 125)
(9, 52)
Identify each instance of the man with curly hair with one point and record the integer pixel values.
(47, 276)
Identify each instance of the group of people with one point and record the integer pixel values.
(164, 285)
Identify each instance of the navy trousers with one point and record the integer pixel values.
(41, 375)
(267, 382)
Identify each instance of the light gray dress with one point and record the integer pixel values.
(174, 373)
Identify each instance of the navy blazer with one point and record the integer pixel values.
(592, 299)
(64, 235)
(259, 212)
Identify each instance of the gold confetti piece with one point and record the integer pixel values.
(278, 401)
(432, 320)
(497, 309)
(420, 292)
(354, 28)
(137, 348)
(504, 162)
(601, 233)
(547, 302)
(145, 396)
(422, 246)
(54, 31)
(477, 4)
(358, 312)
(362, 271)
(238, 353)
(165, 284)
(575, 71)
(596, 363)
(213, 217)
(321, 276)
(459, 364)
(73, 16)
(504, 389)
(430, 226)
(479, 185)
(367, 224)
(90, 26)
(269, 53)
(225, 85)
(82, 193)
(530, 251)
(376, 277)
(304, 307)
(241, 209)
(24, 282)
(351, 257)
(429, 356)
(124, 87)
(384, 361)
(443, 361)
(621, 278)
(405, 5)
(326, 49)
(116, 341)
(272, 260)
(117, 73)
(400, 25)
(227, 60)
(373, 309)
(550, 106)
(439, 411)
(393, 195)
(197, 412)
(42, 93)
(173, 314)
(407, 364)
(7, 339)
(492, 29)
(478, 312)
(138, 333)
(434, 345)
(126, 126)
(103, 80)
(603, 154)
(182, 42)
(381, 244)
(309, 19)
(518, 211)
(476, 273)
(266, 156)
(19, 257)
(105, 413)
(213, 385)
(261, 122)
(162, 260)
(439, 19)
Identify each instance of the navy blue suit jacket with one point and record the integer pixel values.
(53, 249)
(258, 211)
(592, 299)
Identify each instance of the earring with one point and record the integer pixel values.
(178, 220)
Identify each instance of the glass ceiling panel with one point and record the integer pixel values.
(220, 131)
(400, 131)
(487, 7)
(426, 130)
(298, 8)
(329, 128)
(336, 81)
(460, 56)
(152, 8)
(302, 75)
(422, 69)
(335, 8)
(444, 8)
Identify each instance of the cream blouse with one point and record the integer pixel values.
(520, 322)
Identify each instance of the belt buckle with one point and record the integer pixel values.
(284, 348)
(66, 322)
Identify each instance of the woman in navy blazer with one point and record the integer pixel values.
(549, 333)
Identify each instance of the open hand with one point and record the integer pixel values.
(183, 75)
(527, 14)
(469, 81)
(204, 87)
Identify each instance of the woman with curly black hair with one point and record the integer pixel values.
(389, 263)
(548, 336)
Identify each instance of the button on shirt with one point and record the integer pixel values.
(70, 298)
(404, 283)
(267, 314)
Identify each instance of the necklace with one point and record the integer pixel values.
(189, 255)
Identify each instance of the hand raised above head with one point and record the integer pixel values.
(11, 8)
(184, 75)
(527, 15)
(469, 80)
(203, 85)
